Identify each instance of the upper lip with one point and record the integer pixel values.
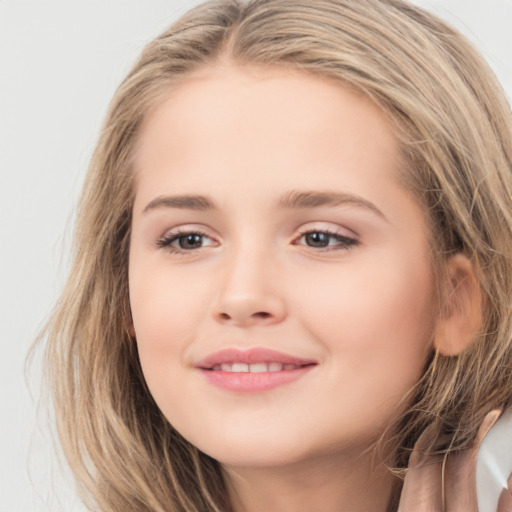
(254, 355)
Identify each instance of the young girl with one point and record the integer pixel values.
(293, 266)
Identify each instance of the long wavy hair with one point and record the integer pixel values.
(454, 126)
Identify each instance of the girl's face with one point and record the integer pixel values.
(280, 280)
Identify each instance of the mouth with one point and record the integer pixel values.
(254, 367)
(253, 371)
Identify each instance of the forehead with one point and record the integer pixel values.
(227, 123)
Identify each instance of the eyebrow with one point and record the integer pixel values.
(184, 202)
(294, 200)
(312, 199)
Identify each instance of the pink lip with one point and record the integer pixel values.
(254, 355)
(252, 382)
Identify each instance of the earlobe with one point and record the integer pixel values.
(127, 320)
(460, 316)
(130, 329)
(128, 325)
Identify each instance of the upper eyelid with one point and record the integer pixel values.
(176, 232)
(338, 231)
(347, 241)
(179, 231)
(330, 231)
(166, 242)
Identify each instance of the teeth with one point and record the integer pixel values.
(257, 368)
(254, 367)
(240, 368)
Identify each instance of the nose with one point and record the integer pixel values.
(249, 291)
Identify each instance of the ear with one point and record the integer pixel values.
(128, 325)
(130, 328)
(460, 316)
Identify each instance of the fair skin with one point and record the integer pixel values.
(354, 298)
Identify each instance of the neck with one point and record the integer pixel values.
(320, 484)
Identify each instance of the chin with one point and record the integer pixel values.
(265, 458)
(255, 449)
(264, 448)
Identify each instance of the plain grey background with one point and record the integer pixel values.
(60, 61)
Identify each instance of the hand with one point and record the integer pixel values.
(423, 489)
(505, 502)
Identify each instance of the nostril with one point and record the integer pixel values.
(259, 315)
(262, 314)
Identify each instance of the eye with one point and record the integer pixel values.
(184, 241)
(328, 240)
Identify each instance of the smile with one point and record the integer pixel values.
(253, 371)
(254, 367)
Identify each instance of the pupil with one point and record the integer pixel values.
(317, 239)
(189, 241)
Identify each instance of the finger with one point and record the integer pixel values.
(460, 482)
(505, 501)
(421, 491)
(460, 473)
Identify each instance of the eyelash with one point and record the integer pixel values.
(166, 241)
(345, 242)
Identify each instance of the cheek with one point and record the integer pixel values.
(165, 315)
(377, 318)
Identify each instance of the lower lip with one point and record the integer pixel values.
(247, 382)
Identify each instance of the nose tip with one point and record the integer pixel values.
(249, 288)
(251, 308)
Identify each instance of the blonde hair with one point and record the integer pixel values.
(455, 129)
